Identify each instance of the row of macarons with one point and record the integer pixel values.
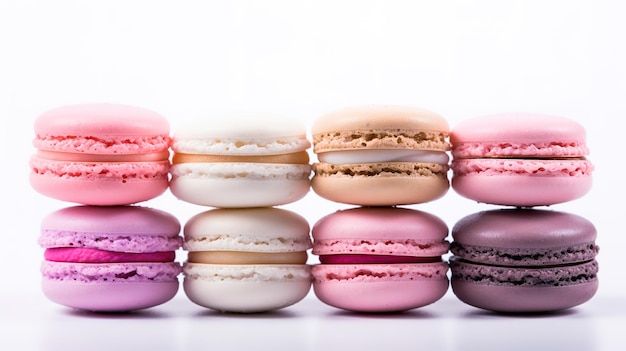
(371, 259)
(375, 259)
(109, 154)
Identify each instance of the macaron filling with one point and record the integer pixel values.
(383, 155)
(85, 157)
(239, 257)
(90, 255)
(374, 259)
(301, 157)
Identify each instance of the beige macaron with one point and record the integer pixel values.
(381, 155)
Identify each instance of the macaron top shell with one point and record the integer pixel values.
(102, 129)
(379, 117)
(261, 229)
(380, 223)
(380, 231)
(111, 228)
(381, 127)
(518, 134)
(523, 229)
(242, 134)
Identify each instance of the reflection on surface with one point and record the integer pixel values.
(310, 325)
(562, 330)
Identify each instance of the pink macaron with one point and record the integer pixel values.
(520, 160)
(110, 258)
(380, 259)
(101, 154)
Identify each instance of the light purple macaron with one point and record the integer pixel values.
(522, 260)
(110, 259)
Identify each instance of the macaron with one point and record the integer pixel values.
(241, 160)
(524, 260)
(521, 160)
(101, 154)
(110, 258)
(380, 259)
(246, 260)
(380, 156)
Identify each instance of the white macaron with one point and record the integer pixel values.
(245, 160)
(247, 260)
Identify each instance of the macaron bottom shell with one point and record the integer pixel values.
(99, 192)
(380, 288)
(101, 296)
(380, 190)
(521, 190)
(523, 299)
(246, 288)
(240, 192)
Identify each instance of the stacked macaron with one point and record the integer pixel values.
(247, 259)
(105, 255)
(247, 160)
(110, 258)
(245, 256)
(101, 154)
(381, 156)
(382, 258)
(522, 259)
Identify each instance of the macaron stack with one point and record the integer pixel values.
(244, 255)
(105, 255)
(247, 160)
(378, 257)
(247, 260)
(522, 259)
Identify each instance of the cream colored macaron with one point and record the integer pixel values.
(241, 160)
(247, 260)
(381, 156)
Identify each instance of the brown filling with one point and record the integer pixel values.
(301, 157)
(236, 257)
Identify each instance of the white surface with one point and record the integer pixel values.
(304, 59)
(311, 325)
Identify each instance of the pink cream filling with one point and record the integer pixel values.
(88, 255)
(374, 259)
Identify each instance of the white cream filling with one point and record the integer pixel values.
(384, 155)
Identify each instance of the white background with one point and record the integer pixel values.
(189, 59)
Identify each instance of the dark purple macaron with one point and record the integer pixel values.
(522, 260)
